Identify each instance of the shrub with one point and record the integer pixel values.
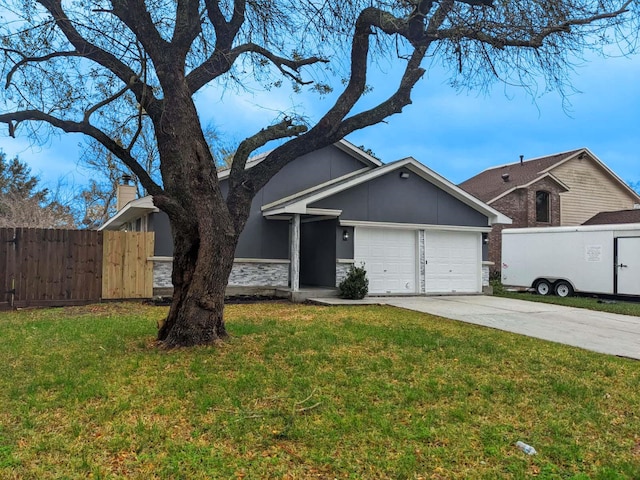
(356, 284)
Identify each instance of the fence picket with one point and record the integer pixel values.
(50, 267)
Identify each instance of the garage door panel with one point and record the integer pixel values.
(389, 257)
(452, 262)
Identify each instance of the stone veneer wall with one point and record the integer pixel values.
(162, 273)
(242, 274)
(341, 271)
(485, 275)
(260, 274)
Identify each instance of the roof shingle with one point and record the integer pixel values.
(610, 218)
(490, 184)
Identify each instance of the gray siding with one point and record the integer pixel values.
(344, 248)
(390, 198)
(263, 238)
(307, 171)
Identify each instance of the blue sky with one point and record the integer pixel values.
(455, 134)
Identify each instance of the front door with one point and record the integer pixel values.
(628, 265)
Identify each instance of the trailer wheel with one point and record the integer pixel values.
(563, 288)
(543, 287)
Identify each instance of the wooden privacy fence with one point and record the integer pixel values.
(126, 272)
(47, 267)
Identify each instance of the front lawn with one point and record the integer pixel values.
(307, 392)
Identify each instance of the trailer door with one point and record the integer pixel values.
(628, 265)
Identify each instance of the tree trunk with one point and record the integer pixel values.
(205, 233)
(200, 275)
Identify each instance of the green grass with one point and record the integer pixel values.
(591, 303)
(307, 392)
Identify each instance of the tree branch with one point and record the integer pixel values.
(226, 31)
(106, 101)
(220, 62)
(241, 180)
(187, 27)
(286, 128)
(70, 126)
(26, 60)
(134, 14)
(394, 104)
(536, 40)
(100, 56)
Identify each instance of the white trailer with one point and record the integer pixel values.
(603, 259)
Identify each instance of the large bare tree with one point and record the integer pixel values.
(78, 66)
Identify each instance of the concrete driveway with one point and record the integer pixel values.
(598, 331)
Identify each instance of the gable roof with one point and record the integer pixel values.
(344, 145)
(144, 205)
(620, 216)
(490, 185)
(300, 203)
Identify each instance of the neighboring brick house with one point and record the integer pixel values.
(557, 190)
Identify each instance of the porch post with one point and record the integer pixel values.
(295, 252)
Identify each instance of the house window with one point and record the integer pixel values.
(543, 207)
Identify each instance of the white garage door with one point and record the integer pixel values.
(453, 262)
(389, 257)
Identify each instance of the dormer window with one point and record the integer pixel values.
(543, 207)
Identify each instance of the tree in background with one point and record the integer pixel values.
(24, 204)
(111, 68)
(96, 203)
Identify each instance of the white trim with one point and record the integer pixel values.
(412, 226)
(317, 218)
(345, 260)
(261, 260)
(131, 211)
(314, 188)
(319, 212)
(354, 151)
(324, 212)
(252, 162)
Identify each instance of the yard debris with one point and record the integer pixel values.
(528, 449)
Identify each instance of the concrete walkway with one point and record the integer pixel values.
(598, 331)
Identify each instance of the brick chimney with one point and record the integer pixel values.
(126, 192)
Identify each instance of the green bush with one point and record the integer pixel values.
(356, 285)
